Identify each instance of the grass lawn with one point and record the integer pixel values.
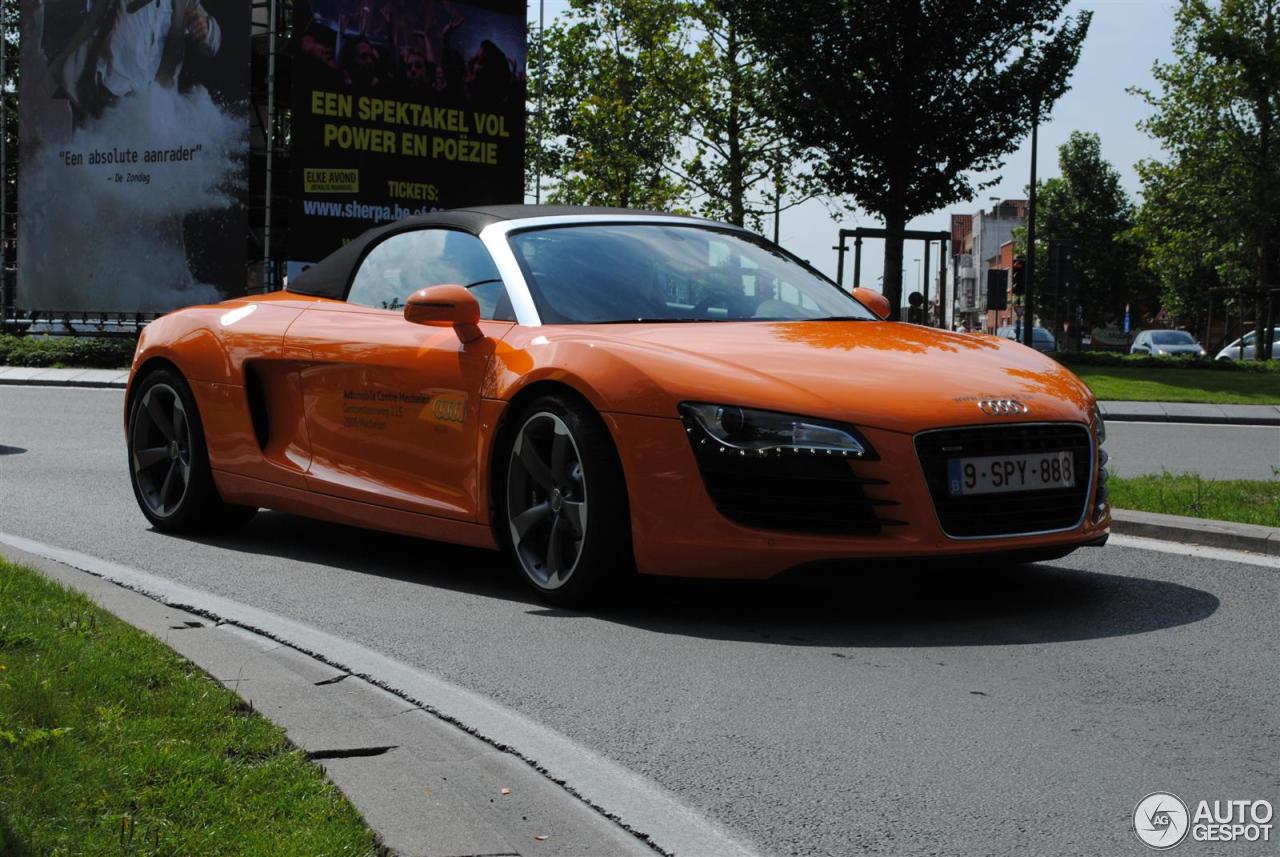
(1227, 500)
(1125, 384)
(112, 744)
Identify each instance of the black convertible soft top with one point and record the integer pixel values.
(329, 277)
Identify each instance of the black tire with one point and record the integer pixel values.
(169, 461)
(591, 516)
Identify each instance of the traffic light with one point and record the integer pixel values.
(1019, 276)
(997, 289)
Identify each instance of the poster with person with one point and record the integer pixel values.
(134, 136)
(402, 107)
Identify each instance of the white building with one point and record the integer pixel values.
(975, 243)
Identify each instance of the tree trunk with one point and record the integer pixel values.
(894, 225)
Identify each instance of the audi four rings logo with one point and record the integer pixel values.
(447, 410)
(1002, 407)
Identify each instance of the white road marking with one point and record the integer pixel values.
(636, 802)
(1111, 421)
(1201, 551)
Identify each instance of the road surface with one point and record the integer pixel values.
(872, 711)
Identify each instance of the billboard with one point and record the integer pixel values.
(134, 136)
(402, 107)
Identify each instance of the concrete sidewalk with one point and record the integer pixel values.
(46, 377)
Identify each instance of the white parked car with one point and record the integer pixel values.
(1233, 351)
(1166, 342)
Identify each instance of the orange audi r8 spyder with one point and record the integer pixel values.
(599, 391)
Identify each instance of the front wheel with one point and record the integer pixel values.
(564, 507)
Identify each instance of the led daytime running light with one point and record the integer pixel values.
(746, 431)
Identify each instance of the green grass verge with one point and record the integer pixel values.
(66, 351)
(1242, 501)
(1126, 384)
(110, 743)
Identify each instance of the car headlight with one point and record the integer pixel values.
(1100, 424)
(749, 431)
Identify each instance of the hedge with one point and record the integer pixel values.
(69, 351)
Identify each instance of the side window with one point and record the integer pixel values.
(404, 263)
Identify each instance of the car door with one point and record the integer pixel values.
(392, 407)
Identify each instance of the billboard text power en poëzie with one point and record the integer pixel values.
(402, 108)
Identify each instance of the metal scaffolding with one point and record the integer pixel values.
(268, 143)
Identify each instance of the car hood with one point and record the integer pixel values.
(894, 376)
(1177, 349)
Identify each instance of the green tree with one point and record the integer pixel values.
(658, 104)
(742, 166)
(1210, 212)
(1086, 204)
(898, 103)
(611, 122)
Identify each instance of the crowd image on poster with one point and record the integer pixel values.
(134, 136)
(402, 107)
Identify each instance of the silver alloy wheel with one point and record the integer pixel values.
(546, 500)
(160, 450)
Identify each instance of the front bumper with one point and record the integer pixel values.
(678, 531)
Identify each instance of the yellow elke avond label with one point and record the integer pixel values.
(331, 181)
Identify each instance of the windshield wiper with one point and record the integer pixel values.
(837, 318)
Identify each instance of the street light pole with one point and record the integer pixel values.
(1028, 303)
(542, 72)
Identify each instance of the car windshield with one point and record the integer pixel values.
(1172, 337)
(613, 273)
(1042, 335)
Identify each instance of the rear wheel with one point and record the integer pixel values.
(564, 507)
(169, 462)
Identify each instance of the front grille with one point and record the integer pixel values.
(793, 492)
(1006, 514)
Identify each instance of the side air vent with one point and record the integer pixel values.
(257, 397)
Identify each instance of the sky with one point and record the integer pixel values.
(1125, 39)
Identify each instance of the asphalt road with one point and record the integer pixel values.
(874, 710)
(1216, 452)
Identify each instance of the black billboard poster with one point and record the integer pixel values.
(402, 107)
(134, 134)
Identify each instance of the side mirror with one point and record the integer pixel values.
(873, 301)
(446, 306)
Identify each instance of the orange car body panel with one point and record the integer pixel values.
(374, 421)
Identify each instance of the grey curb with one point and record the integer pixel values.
(1197, 531)
(1184, 412)
(424, 786)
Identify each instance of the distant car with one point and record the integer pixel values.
(1041, 339)
(1166, 342)
(1233, 351)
